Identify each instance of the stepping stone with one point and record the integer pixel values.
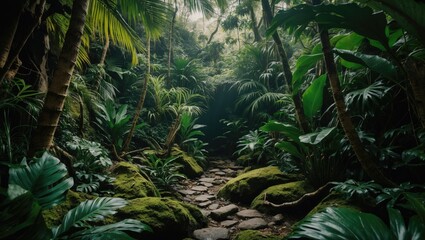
(213, 233)
(186, 192)
(278, 218)
(217, 182)
(220, 173)
(215, 170)
(207, 184)
(208, 180)
(253, 224)
(249, 213)
(199, 188)
(228, 223)
(213, 206)
(204, 204)
(223, 212)
(204, 198)
(205, 213)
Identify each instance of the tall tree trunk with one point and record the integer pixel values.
(101, 64)
(257, 36)
(28, 21)
(9, 18)
(215, 30)
(48, 120)
(367, 162)
(170, 48)
(141, 102)
(302, 121)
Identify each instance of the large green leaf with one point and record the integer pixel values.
(302, 66)
(313, 97)
(342, 223)
(290, 148)
(286, 129)
(316, 137)
(112, 231)
(20, 216)
(373, 62)
(409, 13)
(45, 178)
(349, 16)
(90, 210)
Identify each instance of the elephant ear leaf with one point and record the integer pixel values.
(409, 13)
(341, 223)
(45, 178)
(349, 16)
(373, 62)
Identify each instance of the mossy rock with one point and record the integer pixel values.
(281, 193)
(129, 183)
(255, 235)
(53, 216)
(168, 218)
(245, 187)
(191, 168)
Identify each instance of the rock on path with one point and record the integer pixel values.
(225, 220)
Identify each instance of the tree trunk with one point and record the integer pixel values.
(28, 21)
(104, 50)
(141, 102)
(48, 120)
(257, 36)
(302, 121)
(9, 19)
(215, 30)
(170, 48)
(367, 162)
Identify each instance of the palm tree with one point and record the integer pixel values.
(53, 104)
(54, 101)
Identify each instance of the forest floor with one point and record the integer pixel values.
(226, 219)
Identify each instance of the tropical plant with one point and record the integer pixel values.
(91, 162)
(77, 222)
(114, 123)
(257, 146)
(347, 223)
(44, 177)
(164, 172)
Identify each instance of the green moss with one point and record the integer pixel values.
(255, 235)
(53, 216)
(129, 183)
(190, 168)
(168, 218)
(281, 193)
(247, 186)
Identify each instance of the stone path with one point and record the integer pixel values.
(225, 219)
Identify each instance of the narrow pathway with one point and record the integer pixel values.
(225, 219)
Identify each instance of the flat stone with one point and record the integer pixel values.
(204, 198)
(208, 180)
(204, 204)
(220, 173)
(215, 170)
(206, 184)
(213, 206)
(228, 223)
(223, 212)
(213, 233)
(217, 182)
(186, 192)
(249, 213)
(205, 212)
(278, 218)
(252, 224)
(199, 188)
